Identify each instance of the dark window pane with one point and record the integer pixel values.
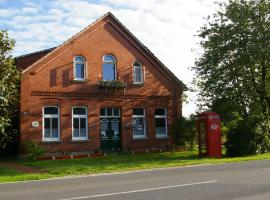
(82, 123)
(79, 111)
(55, 123)
(109, 111)
(47, 128)
(160, 126)
(108, 70)
(75, 122)
(54, 127)
(138, 111)
(116, 112)
(137, 64)
(47, 123)
(160, 111)
(160, 122)
(102, 111)
(51, 110)
(82, 127)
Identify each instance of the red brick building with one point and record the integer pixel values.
(101, 89)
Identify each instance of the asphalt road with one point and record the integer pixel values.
(241, 181)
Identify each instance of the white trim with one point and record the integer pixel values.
(114, 63)
(74, 68)
(79, 117)
(166, 123)
(134, 74)
(144, 123)
(43, 124)
(110, 116)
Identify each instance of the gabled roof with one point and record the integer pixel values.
(24, 61)
(149, 53)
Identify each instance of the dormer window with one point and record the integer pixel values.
(79, 68)
(138, 77)
(108, 68)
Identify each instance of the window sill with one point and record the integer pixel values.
(140, 138)
(138, 84)
(52, 141)
(162, 137)
(79, 81)
(79, 140)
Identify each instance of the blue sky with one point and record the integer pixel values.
(167, 27)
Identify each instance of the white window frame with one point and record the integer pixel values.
(75, 68)
(43, 123)
(134, 74)
(114, 63)
(86, 121)
(166, 125)
(144, 121)
(113, 115)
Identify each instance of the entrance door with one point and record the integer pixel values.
(110, 129)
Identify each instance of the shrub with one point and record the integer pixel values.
(247, 136)
(33, 149)
(185, 132)
(241, 140)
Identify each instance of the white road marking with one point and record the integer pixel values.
(142, 190)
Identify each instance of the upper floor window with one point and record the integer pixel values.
(51, 124)
(79, 68)
(161, 122)
(79, 123)
(108, 68)
(137, 73)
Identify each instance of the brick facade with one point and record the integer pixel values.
(49, 82)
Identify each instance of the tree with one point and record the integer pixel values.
(9, 90)
(233, 73)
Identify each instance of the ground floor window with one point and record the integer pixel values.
(79, 123)
(51, 127)
(161, 122)
(139, 127)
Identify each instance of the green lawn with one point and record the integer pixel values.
(113, 163)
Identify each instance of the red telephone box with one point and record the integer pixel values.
(209, 135)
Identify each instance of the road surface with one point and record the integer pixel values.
(241, 181)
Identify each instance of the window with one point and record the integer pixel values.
(79, 68)
(51, 128)
(79, 123)
(109, 112)
(139, 128)
(137, 73)
(161, 122)
(109, 68)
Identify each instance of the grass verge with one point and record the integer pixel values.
(113, 163)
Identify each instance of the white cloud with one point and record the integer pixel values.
(167, 27)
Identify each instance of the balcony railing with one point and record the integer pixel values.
(112, 84)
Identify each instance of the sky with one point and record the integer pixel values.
(168, 28)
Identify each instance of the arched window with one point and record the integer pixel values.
(79, 68)
(108, 68)
(137, 73)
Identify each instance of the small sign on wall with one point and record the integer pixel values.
(35, 124)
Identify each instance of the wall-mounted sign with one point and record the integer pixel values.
(214, 126)
(35, 124)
